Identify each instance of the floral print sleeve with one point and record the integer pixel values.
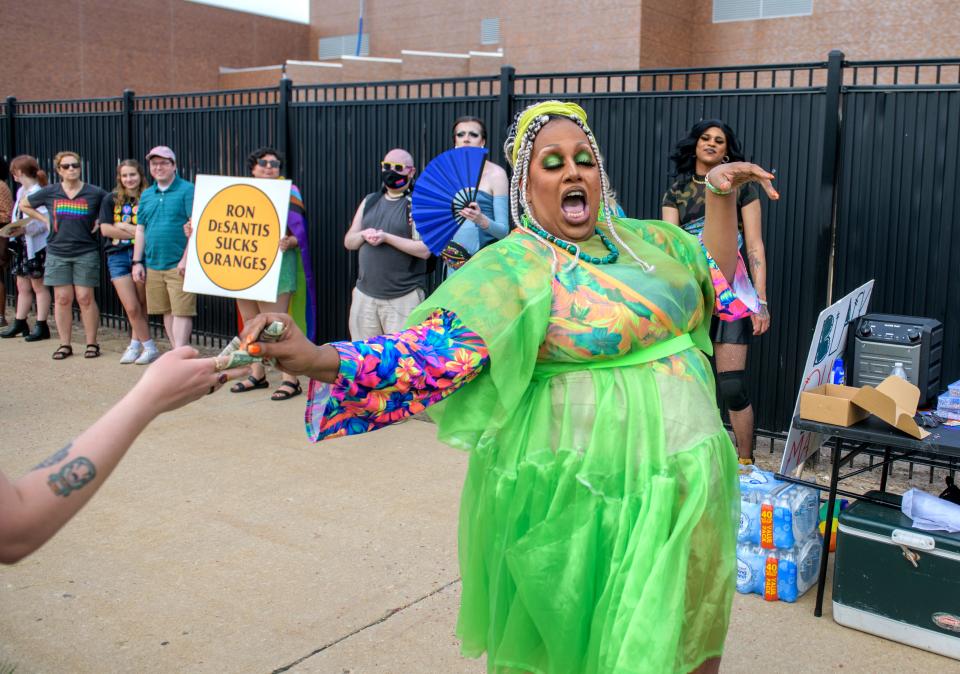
(734, 300)
(391, 377)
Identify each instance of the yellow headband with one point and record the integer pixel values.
(545, 108)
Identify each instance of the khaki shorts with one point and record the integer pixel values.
(370, 317)
(165, 294)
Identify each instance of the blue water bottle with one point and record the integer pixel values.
(838, 375)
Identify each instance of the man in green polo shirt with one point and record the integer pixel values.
(160, 247)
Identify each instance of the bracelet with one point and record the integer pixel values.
(715, 190)
(761, 302)
(133, 262)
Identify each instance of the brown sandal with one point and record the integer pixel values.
(63, 351)
(92, 351)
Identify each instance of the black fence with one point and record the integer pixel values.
(866, 155)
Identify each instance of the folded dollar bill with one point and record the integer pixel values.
(235, 353)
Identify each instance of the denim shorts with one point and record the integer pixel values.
(119, 263)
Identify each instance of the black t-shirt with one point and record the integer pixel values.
(72, 221)
(111, 213)
(687, 195)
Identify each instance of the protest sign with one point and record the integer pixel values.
(235, 247)
(829, 341)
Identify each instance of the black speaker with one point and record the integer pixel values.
(881, 340)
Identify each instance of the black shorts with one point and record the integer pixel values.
(731, 332)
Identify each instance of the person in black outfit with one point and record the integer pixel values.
(709, 143)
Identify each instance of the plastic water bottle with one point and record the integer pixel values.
(898, 370)
(750, 569)
(838, 375)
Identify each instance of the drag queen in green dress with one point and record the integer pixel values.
(598, 518)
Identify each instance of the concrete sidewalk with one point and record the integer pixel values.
(225, 542)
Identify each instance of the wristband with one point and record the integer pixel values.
(140, 262)
(715, 190)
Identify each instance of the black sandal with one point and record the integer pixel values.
(241, 387)
(63, 351)
(92, 351)
(287, 390)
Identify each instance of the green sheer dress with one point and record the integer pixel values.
(598, 517)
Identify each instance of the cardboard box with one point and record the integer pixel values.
(894, 400)
(831, 404)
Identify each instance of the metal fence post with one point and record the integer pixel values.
(283, 121)
(830, 171)
(126, 130)
(505, 101)
(11, 127)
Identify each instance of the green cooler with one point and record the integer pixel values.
(895, 581)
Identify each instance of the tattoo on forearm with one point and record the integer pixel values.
(54, 458)
(756, 262)
(72, 476)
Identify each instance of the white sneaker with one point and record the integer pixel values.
(131, 354)
(147, 357)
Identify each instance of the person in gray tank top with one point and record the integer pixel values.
(392, 258)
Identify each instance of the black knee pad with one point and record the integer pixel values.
(733, 389)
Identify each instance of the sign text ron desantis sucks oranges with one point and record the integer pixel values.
(237, 227)
(238, 237)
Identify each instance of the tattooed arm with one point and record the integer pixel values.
(33, 508)
(757, 263)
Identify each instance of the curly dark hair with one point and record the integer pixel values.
(262, 152)
(684, 154)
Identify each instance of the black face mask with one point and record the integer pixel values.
(394, 180)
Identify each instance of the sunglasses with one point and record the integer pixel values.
(464, 134)
(68, 166)
(268, 163)
(390, 166)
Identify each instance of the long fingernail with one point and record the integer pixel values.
(254, 349)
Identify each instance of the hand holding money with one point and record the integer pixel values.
(236, 354)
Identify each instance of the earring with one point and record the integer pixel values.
(726, 159)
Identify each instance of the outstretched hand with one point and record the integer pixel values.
(734, 174)
(293, 352)
(179, 377)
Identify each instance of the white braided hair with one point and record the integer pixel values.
(521, 175)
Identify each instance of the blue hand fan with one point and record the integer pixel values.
(447, 185)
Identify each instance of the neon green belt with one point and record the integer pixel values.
(655, 352)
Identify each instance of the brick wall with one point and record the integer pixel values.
(629, 34)
(863, 30)
(91, 48)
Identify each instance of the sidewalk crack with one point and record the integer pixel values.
(386, 616)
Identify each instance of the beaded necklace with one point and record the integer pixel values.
(573, 248)
(699, 181)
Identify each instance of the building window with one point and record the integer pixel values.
(342, 45)
(748, 10)
(489, 31)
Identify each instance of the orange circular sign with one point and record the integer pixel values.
(238, 237)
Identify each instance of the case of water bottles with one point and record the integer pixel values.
(778, 547)
(948, 404)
